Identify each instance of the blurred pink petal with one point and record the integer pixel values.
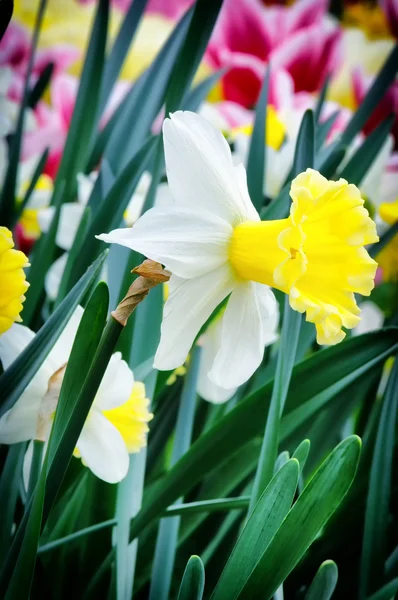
(62, 55)
(63, 95)
(387, 105)
(310, 55)
(390, 8)
(14, 46)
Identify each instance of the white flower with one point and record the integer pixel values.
(372, 318)
(192, 238)
(117, 421)
(9, 109)
(210, 343)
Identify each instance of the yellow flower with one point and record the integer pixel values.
(388, 257)
(370, 18)
(316, 255)
(13, 282)
(40, 198)
(131, 418)
(275, 129)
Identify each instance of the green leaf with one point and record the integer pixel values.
(377, 518)
(256, 163)
(41, 85)
(380, 85)
(324, 582)
(262, 525)
(318, 501)
(193, 581)
(36, 174)
(145, 99)
(7, 195)
(284, 367)
(196, 95)
(87, 339)
(363, 158)
(15, 379)
(166, 542)
(83, 121)
(9, 485)
(208, 506)
(321, 99)
(301, 453)
(303, 158)
(387, 592)
(201, 25)
(119, 50)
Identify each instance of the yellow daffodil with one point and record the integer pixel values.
(216, 247)
(275, 129)
(13, 284)
(116, 425)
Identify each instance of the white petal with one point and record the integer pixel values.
(372, 318)
(189, 305)
(116, 385)
(200, 169)
(27, 464)
(19, 423)
(3, 159)
(69, 220)
(371, 183)
(242, 346)
(269, 311)
(60, 353)
(54, 275)
(279, 164)
(188, 242)
(85, 184)
(103, 449)
(211, 342)
(13, 342)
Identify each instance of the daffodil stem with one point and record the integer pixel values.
(166, 543)
(37, 461)
(284, 367)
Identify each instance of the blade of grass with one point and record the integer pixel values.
(193, 581)
(256, 163)
(324, 582)
(379, 492)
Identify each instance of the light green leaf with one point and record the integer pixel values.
(262, 525)
(318, 501)
(301, 453)
(387, 592)
(324, 582)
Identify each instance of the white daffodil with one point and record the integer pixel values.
(9, 109)
(71, 214)
(210, 343)
(116, 424)
(192, 238)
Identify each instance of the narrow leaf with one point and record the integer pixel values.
(324, 583)
(193, 581)
(256, 163)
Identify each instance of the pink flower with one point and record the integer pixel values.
(390, 8)
(15, 51)
(248, 35)
(388, 104)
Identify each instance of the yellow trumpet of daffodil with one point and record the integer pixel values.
(13, 284)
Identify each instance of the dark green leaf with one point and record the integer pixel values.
(256, 163)
(193, 581)
(41, 84)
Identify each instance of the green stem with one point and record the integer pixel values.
(284, 368)
(37, 460)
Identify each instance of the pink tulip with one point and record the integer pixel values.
(390, 8)
(387, 106)
(298, 39)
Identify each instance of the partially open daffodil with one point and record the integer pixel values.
(116, 425)
(13, 284)
(213, 242)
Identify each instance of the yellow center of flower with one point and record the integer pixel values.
(275, 129)
(388, 257)
(13, 284)
(131, 418)
(316, 255)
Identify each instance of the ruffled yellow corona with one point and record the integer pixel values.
(13, 284)
(316, 255)
(131, 419)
